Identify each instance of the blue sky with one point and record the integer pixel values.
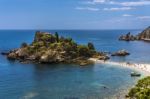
(74, 14)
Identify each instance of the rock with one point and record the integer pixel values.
(12, 56)
(103, 58)
(83, 64)
(127, 37)
(22, 53)
(32, 57)
(121, 53)
(4, 53)
(144, 35)
(51, 57)
(47, 59)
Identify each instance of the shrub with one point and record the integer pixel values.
(83, 51)
(141, 90)
(91, 46)
(57, 37)
(24, 45)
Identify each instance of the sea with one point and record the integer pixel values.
(69, 81)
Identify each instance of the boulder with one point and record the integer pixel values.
(121, 53)
(12, 56)
(103, 58)
(22, 53)
(51, 57)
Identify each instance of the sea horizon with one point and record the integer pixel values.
(74, 29)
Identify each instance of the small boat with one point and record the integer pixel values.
(134, 74)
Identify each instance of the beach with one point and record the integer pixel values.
(135, 66)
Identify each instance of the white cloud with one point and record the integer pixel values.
(135, 3)
(137, 17)
(96, 1)
(87, 8)
(127, 3)
(127, 15)
(99, 1)
(143, 17)
(118, 9)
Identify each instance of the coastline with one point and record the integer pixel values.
(145, 68)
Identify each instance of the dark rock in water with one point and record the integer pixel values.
(121, 53)
(4, 53)
(105, 87)
(144, 35)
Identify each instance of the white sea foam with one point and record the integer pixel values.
(30, 95)
(137, 66)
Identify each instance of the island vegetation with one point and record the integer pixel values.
(141, 90)
(52, 48)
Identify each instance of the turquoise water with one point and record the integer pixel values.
(35, 81)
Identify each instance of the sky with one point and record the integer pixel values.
(74, 14)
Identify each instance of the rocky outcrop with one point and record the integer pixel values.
(121, 53)
(50, 48)
(127, 37)
(144, 35)
(12, 56)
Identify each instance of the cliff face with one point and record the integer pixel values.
(52, 48)
(144, 35)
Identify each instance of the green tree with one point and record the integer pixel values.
(24, 45)
(57, 37)
(84, 51)
(91, 46)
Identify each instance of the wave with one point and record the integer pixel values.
(30, 95)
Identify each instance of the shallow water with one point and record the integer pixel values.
(34, 81)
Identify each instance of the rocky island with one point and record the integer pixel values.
(120, 53)
(144, 35)
(52, 48)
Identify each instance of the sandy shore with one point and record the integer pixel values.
(140, 67)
